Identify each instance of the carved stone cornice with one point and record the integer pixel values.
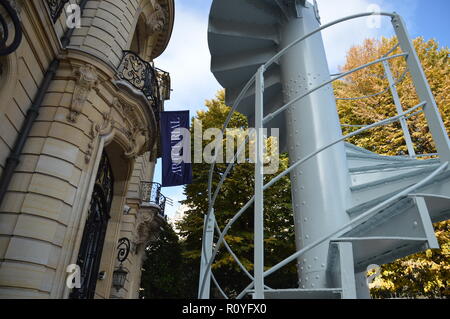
(99, 129)
(161, 22)
(158, 18)
(134, 128)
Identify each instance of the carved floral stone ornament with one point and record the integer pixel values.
(134, 129)
(145, 226)
(87, 79)
(158, 19)
(102, 129)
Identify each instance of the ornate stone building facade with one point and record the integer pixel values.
(78, 142)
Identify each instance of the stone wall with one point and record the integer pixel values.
(84, 113)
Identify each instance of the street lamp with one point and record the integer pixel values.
(120, 274)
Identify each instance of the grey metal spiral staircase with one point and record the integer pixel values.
(352, 207)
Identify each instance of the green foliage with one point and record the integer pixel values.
(235, 193)
(425, 274)
(163, 269)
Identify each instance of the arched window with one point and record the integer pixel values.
(94, 233)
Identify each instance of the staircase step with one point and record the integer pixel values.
(361, 160)
(382, 250)
(395, 165)
(378, 190)
(268, 7)
(353, 149)
(397, 230)
(247, 58)
(402, 218)
(267, 34)
(334, 293)
(369, 174)
(250, 11)
(437, 197)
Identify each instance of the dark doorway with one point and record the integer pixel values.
(94, 231)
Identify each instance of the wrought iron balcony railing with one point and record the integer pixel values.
(151, 194)
(153, 83)
(164, 83)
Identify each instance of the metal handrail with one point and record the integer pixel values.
(150, 193)
(275, 58)
(164, 82)
(355, 222)
(283, 108)
(239, 100)
(263, 68)
(326, 26)
(301, 161)
(271, 116)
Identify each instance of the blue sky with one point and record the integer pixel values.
(187, 56)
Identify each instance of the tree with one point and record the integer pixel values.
(235, 193)
(425, 274)
(163, 270)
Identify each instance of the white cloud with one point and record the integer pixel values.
(187, 59)
(179, 214)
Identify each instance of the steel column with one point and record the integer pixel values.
(423, 89)
(259, 184)
(207, 247)
(320, 187)
(347, 270)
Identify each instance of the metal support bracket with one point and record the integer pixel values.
(423, 89)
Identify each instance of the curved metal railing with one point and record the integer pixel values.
(143, 76)
(360, 219)
(150, 193)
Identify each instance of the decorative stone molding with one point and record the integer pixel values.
(99, 129)
(87, 80)
(133, 128)
(146, 229)
(158, 19)
(106, 127)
